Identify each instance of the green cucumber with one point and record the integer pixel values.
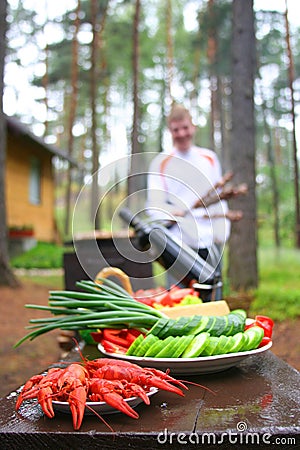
(135, 345)
(164, 332)
(179, 325)
(211, 346)
(222, 344)
(241, 312)
(181, 345)
(237, 322)
(158, 326)
(168, 349)
(157, 346)
(237, 342)
(218, 326)
(203, 325)
(197, 346)
(149, 340)
(191, 324)
(254, 336)
(227, 345)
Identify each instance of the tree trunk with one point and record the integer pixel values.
(272, 164)
(296, 169)
(211, 56)
(133, 180)
(97, 11)
(170, 59)
(7, 277)
(242, 269)
(72, 114)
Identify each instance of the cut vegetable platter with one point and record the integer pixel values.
(190, 366)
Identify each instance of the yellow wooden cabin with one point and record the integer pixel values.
(29, 182)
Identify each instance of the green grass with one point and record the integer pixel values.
(278, 293)
(42, 256)
(55, 282)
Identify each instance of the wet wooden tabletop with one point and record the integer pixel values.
(256, 404)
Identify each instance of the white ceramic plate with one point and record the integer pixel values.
(190, 366)
(101, 407)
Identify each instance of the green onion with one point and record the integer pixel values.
(105, 305)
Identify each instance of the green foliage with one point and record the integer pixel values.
(43, 256)
(278, 294)
(276, 302)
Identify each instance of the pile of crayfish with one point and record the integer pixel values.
(100, 380)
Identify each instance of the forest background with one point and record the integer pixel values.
(103, 75)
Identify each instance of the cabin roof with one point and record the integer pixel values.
(15, 127)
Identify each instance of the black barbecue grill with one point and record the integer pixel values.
(182, 262)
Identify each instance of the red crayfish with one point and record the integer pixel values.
(104, 379)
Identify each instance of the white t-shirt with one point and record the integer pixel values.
(175, 182)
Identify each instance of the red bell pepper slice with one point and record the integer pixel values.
(112, 348)
(115, 336)
(266, 327)
(178, 294)
(266, 323)
(265, 341)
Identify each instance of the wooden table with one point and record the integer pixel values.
(256, 405)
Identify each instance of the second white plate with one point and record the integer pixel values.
(190, 366)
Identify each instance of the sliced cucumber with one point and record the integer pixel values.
(164, 332)
(149, 340)
(228, 330)
(179, 325)
(254, 337)
(237, 342)
(211, 346)
(135, 345)
(203, 325)
(218, 326)
(158, 326)
(227, 345)
(241, 312)
(197, 346)
(237, 322)
(168, 349)
(157, 346)
(222, 344)
(191, 324)
(181, 345)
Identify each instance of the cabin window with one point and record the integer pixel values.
(35, 181)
